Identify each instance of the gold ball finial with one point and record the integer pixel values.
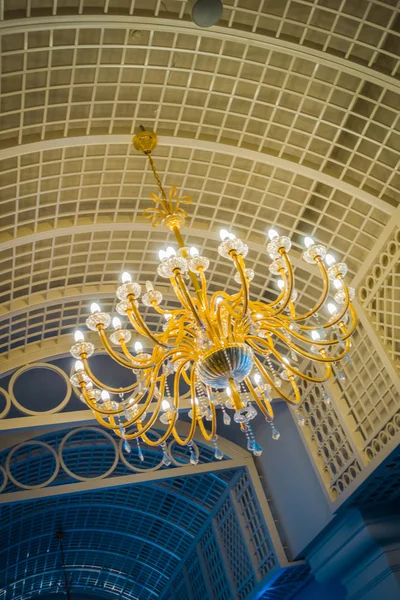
(145, 141)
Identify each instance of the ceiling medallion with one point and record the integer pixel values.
(229, 352)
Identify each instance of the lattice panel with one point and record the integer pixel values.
(256, 529)
(360, 32)
(380, 297)
(368, 395)
(215, 568)
(332, 450)
(236, 552)
(66, 82)
(195, 576)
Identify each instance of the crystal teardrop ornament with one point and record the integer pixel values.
(140, 452)
(275, 433)
(166, 461)
(227, 419)
(127, 447)
(257, 449)
(193, 457)
(300, 420)
(218, 454)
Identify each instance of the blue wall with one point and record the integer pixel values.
(318, 591)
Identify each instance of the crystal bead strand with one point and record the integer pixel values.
(218, 454)
(166, 461)
(193, 456)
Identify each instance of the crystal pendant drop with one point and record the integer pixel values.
(250, 444)
(257, 449)
(140, 452)
(166, 461)
(348, 358)
(193, 458)
(227, 419)
(218, 454)
(300, 420)
(341, 376)
(275, 433)
(293, 356)
(326, 397)
(127, 447)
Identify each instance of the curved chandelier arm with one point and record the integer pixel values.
(94, 407)
(100, 384)
(138, 320)
(289, 284)
(264, 373)
(144, 365)
(239, 264)
(306, 354)
(348, 333)
(119, 359)
(185, 296)
(263, 404)
(293, 370)
(192, 430)
(151, 421)
(322, 298)
(174, 418)
(208, 436)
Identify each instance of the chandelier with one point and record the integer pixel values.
(225, 351)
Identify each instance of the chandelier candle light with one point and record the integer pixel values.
(229, 351)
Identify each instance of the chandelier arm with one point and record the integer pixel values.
(208, 436)
(348, 332)
(266, 376)
(130, 356)
(149, 424)
(172, 422)
(263, 404)
(100, 384)
(181, 286)
(293, 370)
(234, 299)
(322, 298)
(244, 292)
(192, 430)
(142, 325)
(306, 354)
(93, 406)
(114, 355)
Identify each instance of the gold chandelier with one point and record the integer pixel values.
(226, 350)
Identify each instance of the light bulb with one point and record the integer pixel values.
(165, 405)
(315, 335)
(138, 347)
(338, 284)
(332, 308)
(218, 300)
(94, 308)
(193, 251)
(257, 378)
(272, 234)
(196, 401)
(170, 252)
(149, 286)
(167, 316)
(224, 234)
(228, 392)
(104, 395)
(116, 323)
(125, 277)
(330, 260)
(280, 283)
(78, 336)
(162, 255)
(285, 360)
(308, 242)
(79, 365)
